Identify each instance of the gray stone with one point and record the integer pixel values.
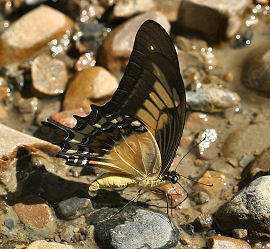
(9, 223)
(133, 227)
(249, 209)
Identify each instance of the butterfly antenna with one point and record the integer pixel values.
(193, 147)
(208, 185)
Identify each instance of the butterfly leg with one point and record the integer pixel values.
(167, 207)
(185, 196)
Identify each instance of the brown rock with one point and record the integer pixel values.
(11, 140)
(220, 242)
(170, 9)
(43, 244)
(33, 211)
(239, 233)
(66, 117)
(228, 76)
(198, 121)
(4, 92)
(211, 177)
(85, 61)
(239, 142)
(90, 84)
(259, 167)
(49, 75)
(90, 12)
(124, 9)
(116, 48)
(216, 20)
(3, 113)
(204, 222)
(31, 32)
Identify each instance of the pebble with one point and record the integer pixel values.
(67, 233)
(207, 147)
(43, 244)
(49, 75)
(124, 9)
(239, 233)
(197, 121)
(74, 207)
(211, 177)
(248, 207)
(240, 142)
(175, 192)
(245, 160)
(9, 223)
(233, 161)
(4, 92)
(34, 212)
(203, 222)
(3, 113)
(87, 60)
(91, 84)
(116, 48)
(49, 109)
(220, 242)
(211, 98)
(243, 39)
(133, 226)
(188, 228)
(256, 70)
(90, 11)
(214, 16)
(66, 117)
(259, 167)
(29, 105)
(31, 32)
(228, 77)
(201, 198)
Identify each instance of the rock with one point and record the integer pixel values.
(49, 109)
(49, 75)
(249, 209)
(11, 141)
(116, 48)
(201, 198)
(31, 32)
(239, 143)
(90, 11)
(217, 21)
(197, 121)
(28, 105)
(242, 40)
(256, 70)
(219, 242)
(74, 207)
(233, 161)
(245, 160)
(9, 223)
(188, 228)
(67, 233)
(228, 77)
(211, 177)
(43, 244)
(211, 98)
(4, 92)
(85, 61)
(207, 147)
(239, 233)
(66, 117)
(133, 226)
(34, 212)
(259, 167)
(124, 9)
(203, 222)
(3, 113)
(90, 84)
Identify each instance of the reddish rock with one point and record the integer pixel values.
(4, 92)
(33, 211)
(43, 244)
(66, 117)
(31, 32)
(216, 20)
(87, 86)
(3, 113)
(220, 242)
(124, 9)
(116, 48)
(49, 75)
(48, 110)
(198, 121)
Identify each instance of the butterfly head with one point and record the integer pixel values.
(173, 176)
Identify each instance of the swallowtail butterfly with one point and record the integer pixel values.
(134, 137)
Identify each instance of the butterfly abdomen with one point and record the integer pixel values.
(109, 181)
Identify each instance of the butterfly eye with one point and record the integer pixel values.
(174, 179)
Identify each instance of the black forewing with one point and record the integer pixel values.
(153, 46)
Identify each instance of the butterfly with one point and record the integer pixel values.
(134, 137)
